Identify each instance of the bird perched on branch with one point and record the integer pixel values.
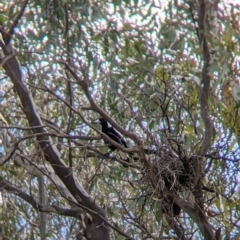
(115, 136)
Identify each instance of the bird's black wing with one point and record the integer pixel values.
(114, 135)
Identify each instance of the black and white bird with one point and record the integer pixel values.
(115, 136)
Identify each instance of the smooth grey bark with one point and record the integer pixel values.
(43, 217)
(96, 225)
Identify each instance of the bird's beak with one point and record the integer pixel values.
(96, 121)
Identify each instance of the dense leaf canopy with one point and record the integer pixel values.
(165, 74)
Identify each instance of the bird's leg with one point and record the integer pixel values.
(107, 154)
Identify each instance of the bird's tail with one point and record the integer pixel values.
(127, 156)
(123, 156)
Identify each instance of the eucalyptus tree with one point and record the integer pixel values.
(165, 75)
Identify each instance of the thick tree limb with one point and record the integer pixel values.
(43, 170)
(33, 168)
(96, 228)
(5, 185)
(177, 229)
(205, 80)
(195, 213)
(198, 214)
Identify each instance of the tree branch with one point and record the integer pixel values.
(37, 206)
(195, 212)
(177, 229)
(198, 215)
(205, 80)
(94, 229)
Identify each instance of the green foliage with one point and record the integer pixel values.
(141, 61)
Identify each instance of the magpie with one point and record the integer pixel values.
(115, 136)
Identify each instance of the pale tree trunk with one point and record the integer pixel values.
(43, 215)
(95, 221)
